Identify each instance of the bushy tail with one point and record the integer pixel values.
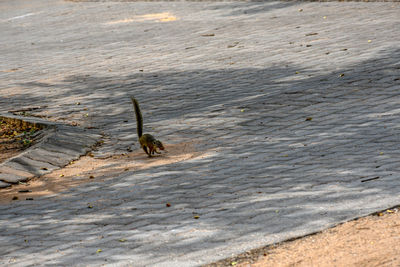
(139, 118)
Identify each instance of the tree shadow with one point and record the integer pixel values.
(289, 154)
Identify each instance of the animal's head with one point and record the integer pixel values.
(158, 144)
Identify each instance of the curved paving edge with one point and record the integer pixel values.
(59, 144)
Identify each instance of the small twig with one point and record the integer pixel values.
(370, 179)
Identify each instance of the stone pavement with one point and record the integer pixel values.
(55, 146)
(295, 105)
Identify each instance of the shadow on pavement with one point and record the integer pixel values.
(289, 154)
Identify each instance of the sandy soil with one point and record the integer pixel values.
(88, 169)
(370, 241)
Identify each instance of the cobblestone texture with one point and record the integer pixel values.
(296, 104)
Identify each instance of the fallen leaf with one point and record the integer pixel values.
(309, 119)
(98, 251)
(389, 211)
(168, 205)
(196, 217)
(341, 75)
(233, 45)
(91, 176)
(122, 240)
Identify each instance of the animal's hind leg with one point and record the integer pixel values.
(145, 150)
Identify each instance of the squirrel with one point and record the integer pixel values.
(145, 140)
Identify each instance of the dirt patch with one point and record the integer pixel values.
(15, 137)
(88, 169)
(370, 241)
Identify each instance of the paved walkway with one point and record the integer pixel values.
(296, 106)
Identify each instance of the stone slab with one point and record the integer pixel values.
(4, 184)
(14, 178)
